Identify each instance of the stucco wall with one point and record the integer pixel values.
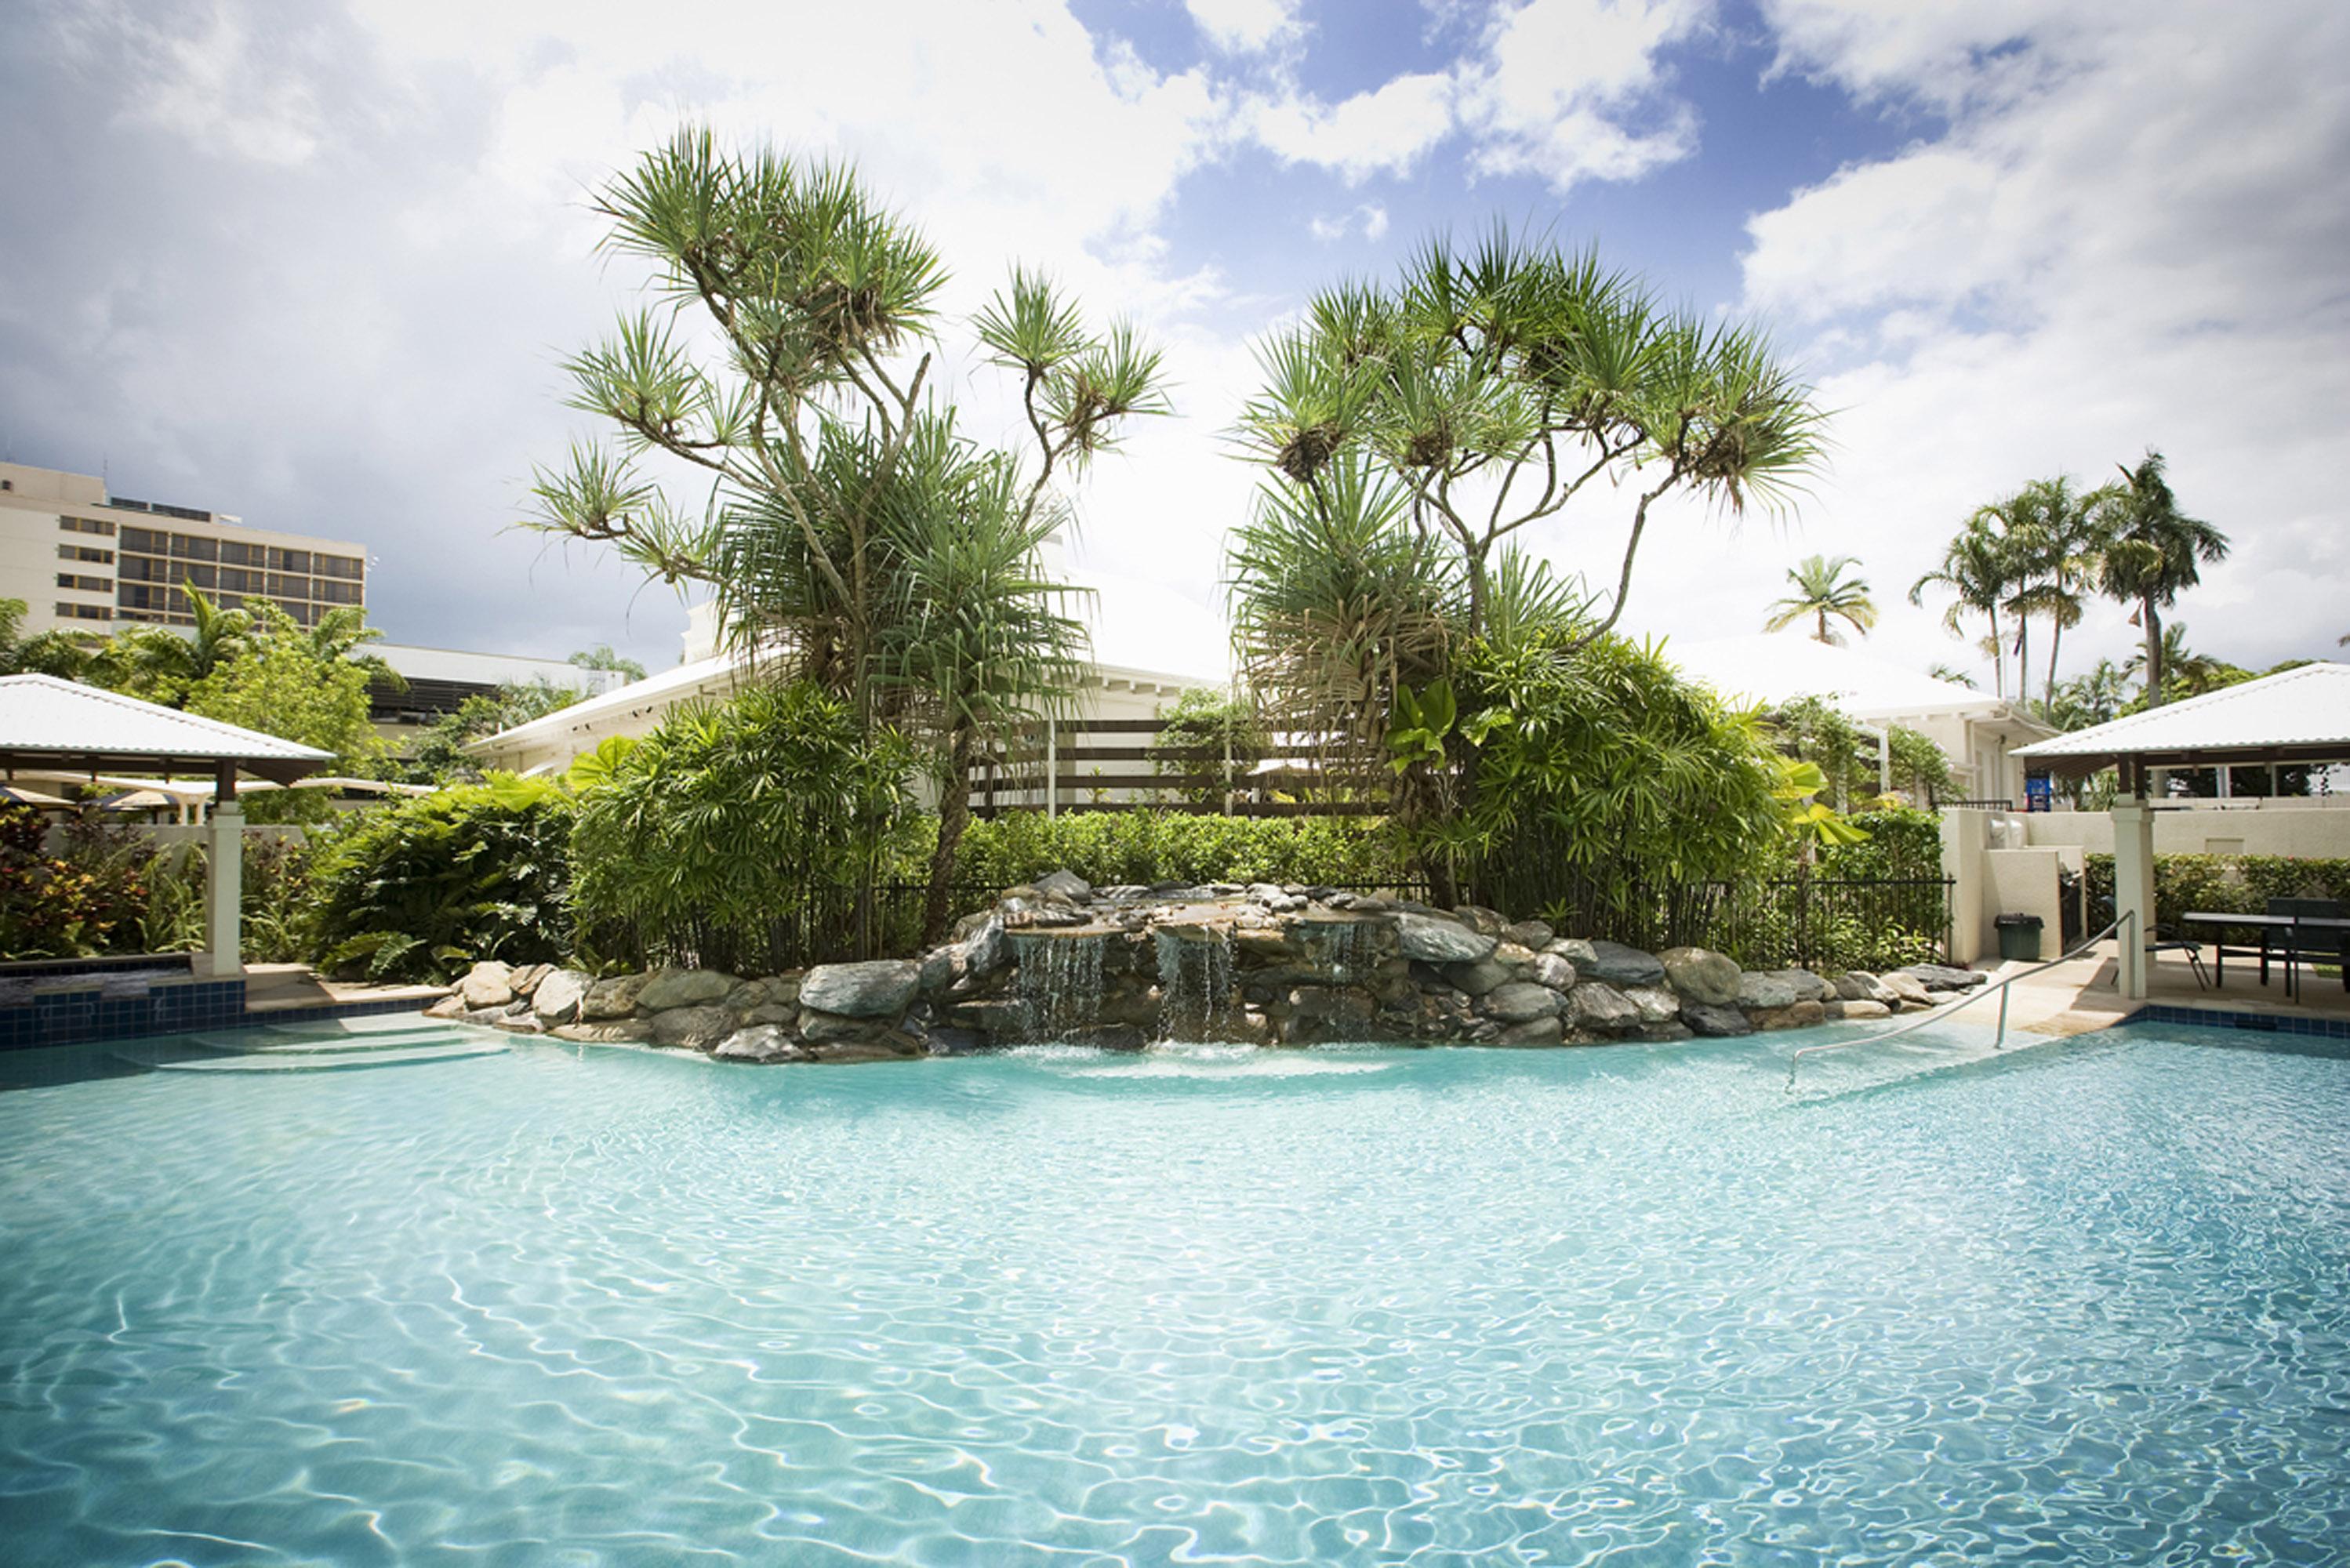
(2315, 831)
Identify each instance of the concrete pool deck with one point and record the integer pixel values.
(2079, 996)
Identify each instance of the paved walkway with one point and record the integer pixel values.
(276, 987)
(2073, 998)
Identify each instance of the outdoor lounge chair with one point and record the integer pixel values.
(2311, 947)
(2169, 940)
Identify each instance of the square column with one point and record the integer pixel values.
(224, 893)
(2134, 890)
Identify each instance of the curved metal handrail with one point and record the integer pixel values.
(2127, 918)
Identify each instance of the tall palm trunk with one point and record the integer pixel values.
(2023, 659)
(1997, 658)
(2055, 646)
(954, 815)
(2151, 619)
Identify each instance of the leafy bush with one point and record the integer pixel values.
(2223, 884)
(421, 891)
(1148, 847)
(1601, 773)
(1903, 842)
(1208, 720)
(108, 890)
(746, 836)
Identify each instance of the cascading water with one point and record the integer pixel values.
(1336, 947)
(1060, 984)
(1195, 984)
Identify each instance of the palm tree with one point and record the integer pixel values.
(64, 654)
(2057, 539)
(2153, 553)
(1974, 569)
(2184, 672)
(1823, 590)
(1944, 672)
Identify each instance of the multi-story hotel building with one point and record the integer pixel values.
(84, 560)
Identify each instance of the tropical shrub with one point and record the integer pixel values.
(745, 835)
(107, 890)
(1903, 843)
(2222, 883)
(1148, 847)
(423, 889)
(1600, 773)
(1217, 722)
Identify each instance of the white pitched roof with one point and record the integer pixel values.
(2306, 706)
(1773, 668)
(42, 715)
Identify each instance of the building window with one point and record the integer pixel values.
(146, 541)
(339, 593)
(84, 612)
(191, 547)
(344, 566)
(84, 585)
(84, 526)
(89, 553)
(236, 554)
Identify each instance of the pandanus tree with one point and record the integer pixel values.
(2154, 553)
(1412, 433)
(1823, 590)
(854, 537)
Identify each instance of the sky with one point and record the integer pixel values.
(316, 262)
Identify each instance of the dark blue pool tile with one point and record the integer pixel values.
(2258, 1023)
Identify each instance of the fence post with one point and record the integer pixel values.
(1051, 769)
(1228, 764)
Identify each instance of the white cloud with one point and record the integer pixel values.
(1382, 132)
(213, 82)
(1570, 89)
(1245, 26)
(2129, 236)
(1371, 220)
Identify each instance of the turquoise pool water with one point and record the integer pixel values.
(2084, 1305)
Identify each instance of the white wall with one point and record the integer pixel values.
(2312, 830)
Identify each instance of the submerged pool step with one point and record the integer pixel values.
(284, 1060)
(323, 1042)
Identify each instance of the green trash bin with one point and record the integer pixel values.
(2019, 936)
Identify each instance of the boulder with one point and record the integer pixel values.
(1550, 970)
(609, 1031)
(693, 1028)
(524, 980)
(1701, 975)
(877, 988)
(1485, 922)
(833, 1028)
(1714, 1022)
(518, 1023)
(1859, 985)
(1667, 1033)
(1479, 978)
(1574, 950)
(1619, 965)
(613, 998)
(668, 987)
(1658, 1005)
(557, 997)
(450, 1006)
(1602, 1008)
(984, 950)
(1433, 938)
(1776, 988)
(883, 1045)
(1522, 1001)
(1510, 956)
(1854, 1009)
(760, 1043)
(1942, 977)
(487, 984)
(1794, 1015)
(1064, 884)
(1532, 1032)
(1531, 934)
(1905, 989)
(941, 967)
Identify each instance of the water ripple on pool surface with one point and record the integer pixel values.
(1631, 1306)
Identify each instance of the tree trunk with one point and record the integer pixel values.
(1998, 660)
(2055, 646)
(954, 815)
(2152, 619)
(2023, 661)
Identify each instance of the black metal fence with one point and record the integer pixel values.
(1812, 923)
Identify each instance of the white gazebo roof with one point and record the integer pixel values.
(48, 722)
(2301, 715)
(1773, 668)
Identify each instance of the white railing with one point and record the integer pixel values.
(1999, 1042)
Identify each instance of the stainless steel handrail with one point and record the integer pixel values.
(1999, 1043)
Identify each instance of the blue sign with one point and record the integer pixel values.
(2039, 793)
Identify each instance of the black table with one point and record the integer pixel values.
(2295, 923)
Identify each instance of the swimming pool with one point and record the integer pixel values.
(2085, 1303)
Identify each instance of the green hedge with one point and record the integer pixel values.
(1903, 842)
(2227, 884)
(1150, 847)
